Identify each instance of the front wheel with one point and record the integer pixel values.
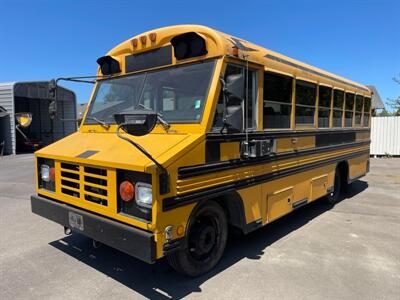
(204, 242)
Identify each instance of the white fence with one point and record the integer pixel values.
(385, 136)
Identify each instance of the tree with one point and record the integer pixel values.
(385, 113)
(395, 103)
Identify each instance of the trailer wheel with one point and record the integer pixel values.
(333, 196)
(204, 243)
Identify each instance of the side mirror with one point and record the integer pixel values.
(234, 118)
(52, 109)
(52, 91)
(137, 123)
(233, 100)
(52, 87)
(235, 86)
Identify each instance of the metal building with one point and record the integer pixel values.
(33, 98)
(385, 136)
(377, 102)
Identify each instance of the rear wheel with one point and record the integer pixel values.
(204, 243)
(333, 196)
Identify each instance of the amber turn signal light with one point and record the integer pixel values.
(52, 174)
(127, 191)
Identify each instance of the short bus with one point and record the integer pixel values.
(190, 132)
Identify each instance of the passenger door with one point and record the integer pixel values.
(230, 150)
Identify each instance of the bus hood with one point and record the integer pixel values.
(108, 150)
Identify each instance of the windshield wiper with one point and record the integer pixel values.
(101, 122)
(163, 123)
(160, 119)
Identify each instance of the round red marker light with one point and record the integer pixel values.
(127, 191)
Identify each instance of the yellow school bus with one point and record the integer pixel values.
(190, 132)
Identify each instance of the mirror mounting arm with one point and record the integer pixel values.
(53, 86)
(224, 99)
(163, 176)
(140, 148)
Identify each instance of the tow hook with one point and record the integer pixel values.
(96, 244)
(67, 230)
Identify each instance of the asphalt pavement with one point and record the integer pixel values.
(349, 251)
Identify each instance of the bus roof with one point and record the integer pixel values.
(222, 44)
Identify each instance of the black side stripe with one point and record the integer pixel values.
(286, 62)
(334, 138)
(191, 171)
(213, 151)
(283, 133)
(173, 202)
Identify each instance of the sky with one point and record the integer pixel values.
(359, 40)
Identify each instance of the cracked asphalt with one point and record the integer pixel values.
(349, 251)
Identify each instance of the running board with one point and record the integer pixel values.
(300, 203)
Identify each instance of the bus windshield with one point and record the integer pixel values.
(178, 94)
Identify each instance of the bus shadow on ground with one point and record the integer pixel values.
(159, 281)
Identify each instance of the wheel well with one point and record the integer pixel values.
(343, 168)
(232, 205)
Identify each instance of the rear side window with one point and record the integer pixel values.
(358, 110)
(277, 104)
(367, 108)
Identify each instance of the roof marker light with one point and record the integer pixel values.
(134, 43)
(235, 51)
(152, 37)
(143, 39)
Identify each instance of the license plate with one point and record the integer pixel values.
(75, 221)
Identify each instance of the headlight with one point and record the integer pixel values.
(46, 174)
(144, 194)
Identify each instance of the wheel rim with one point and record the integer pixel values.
(203, 238)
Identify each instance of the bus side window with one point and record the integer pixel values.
(277, 104)
(348, 114)
(338, 99)
(305, 102)
(324, 106)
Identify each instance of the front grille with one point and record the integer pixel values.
(84, 183)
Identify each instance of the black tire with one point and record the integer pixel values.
(204, 242)
(346, 186)
(333, 196)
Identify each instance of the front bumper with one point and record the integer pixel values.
(130, 240)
